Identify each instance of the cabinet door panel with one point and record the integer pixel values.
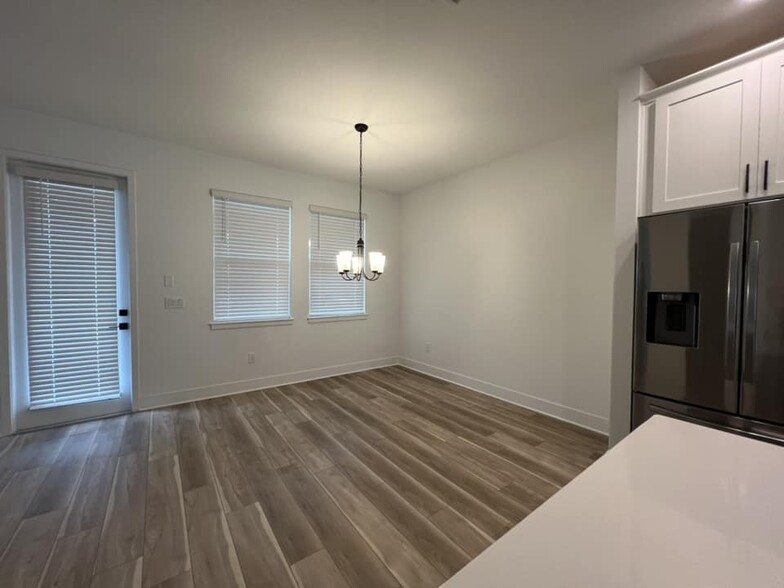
(705, 136)
(772, 125)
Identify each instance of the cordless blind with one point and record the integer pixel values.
(331, 295)
(71, 290)
(251, 257)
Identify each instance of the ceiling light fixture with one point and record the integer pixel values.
(351, 264)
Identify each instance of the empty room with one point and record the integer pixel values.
(391, 293)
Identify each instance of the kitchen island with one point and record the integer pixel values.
(673, 504)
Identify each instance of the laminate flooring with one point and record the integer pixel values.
(379, 478)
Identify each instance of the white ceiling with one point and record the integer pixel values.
(444, 87)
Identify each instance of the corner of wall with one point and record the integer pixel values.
(562, 376)
(627, 196)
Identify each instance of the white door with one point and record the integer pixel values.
(70, 296)
(706, 141)
(771, 168)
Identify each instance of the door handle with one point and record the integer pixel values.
(731, 342)
(750, 318)
(765, 177)
(746, 182)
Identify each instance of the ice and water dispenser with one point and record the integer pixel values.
(672, 318)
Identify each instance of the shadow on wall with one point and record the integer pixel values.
(744, 31)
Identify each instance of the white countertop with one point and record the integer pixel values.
(673, 504)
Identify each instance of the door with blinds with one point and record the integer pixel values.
(71, 296)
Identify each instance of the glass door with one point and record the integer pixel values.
(71, 303)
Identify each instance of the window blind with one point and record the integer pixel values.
(251, 257)
(330, 294)
(71, 291)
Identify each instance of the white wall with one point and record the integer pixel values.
(179, 357)
(508, 271)
(509, 277)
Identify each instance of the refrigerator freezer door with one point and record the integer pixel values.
(689, 270)
(762, 390)
(644, 407)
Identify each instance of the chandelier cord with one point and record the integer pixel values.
(360, 185)
(357, 270)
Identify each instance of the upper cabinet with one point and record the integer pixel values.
(771, 144)
(717, 137)
(706, 138)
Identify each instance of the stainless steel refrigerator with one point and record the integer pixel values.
(709, 318)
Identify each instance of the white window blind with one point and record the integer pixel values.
(251, 257)
(331, 295)
(71, 289)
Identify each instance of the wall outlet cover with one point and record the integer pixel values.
(171, 303)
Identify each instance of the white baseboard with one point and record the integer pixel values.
(584, 419)
(228, 388)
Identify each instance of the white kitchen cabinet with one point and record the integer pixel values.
(771, 149)
(706, 140)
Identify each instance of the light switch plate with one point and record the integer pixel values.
(168, 281)
(170, 303)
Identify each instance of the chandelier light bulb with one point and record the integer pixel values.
(377, 262)
(344, 261)
(356, 265)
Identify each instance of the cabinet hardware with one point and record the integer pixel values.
(765, 177)
(748, 169)
(750, 315)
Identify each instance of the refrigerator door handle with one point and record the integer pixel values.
(750, 320)
(731, 344)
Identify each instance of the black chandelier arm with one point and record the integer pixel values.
(350, 277)
(372, 278)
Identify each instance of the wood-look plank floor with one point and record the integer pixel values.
(380, 478)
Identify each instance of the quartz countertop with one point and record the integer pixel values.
(673, 504)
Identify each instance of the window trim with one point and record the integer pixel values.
(340, 213)
(219, 324)
(337, 318)
(239, 324)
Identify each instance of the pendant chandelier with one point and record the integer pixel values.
(351, 264)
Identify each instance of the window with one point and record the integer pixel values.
(67, 300)
(332, 231)
(251, 253)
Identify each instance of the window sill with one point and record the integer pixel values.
(334, 319)
(219, 326)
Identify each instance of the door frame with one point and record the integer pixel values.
(8, 353)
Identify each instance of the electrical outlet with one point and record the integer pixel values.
(170, 303)
(251, 358)
(427, 347)
(168, 281)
